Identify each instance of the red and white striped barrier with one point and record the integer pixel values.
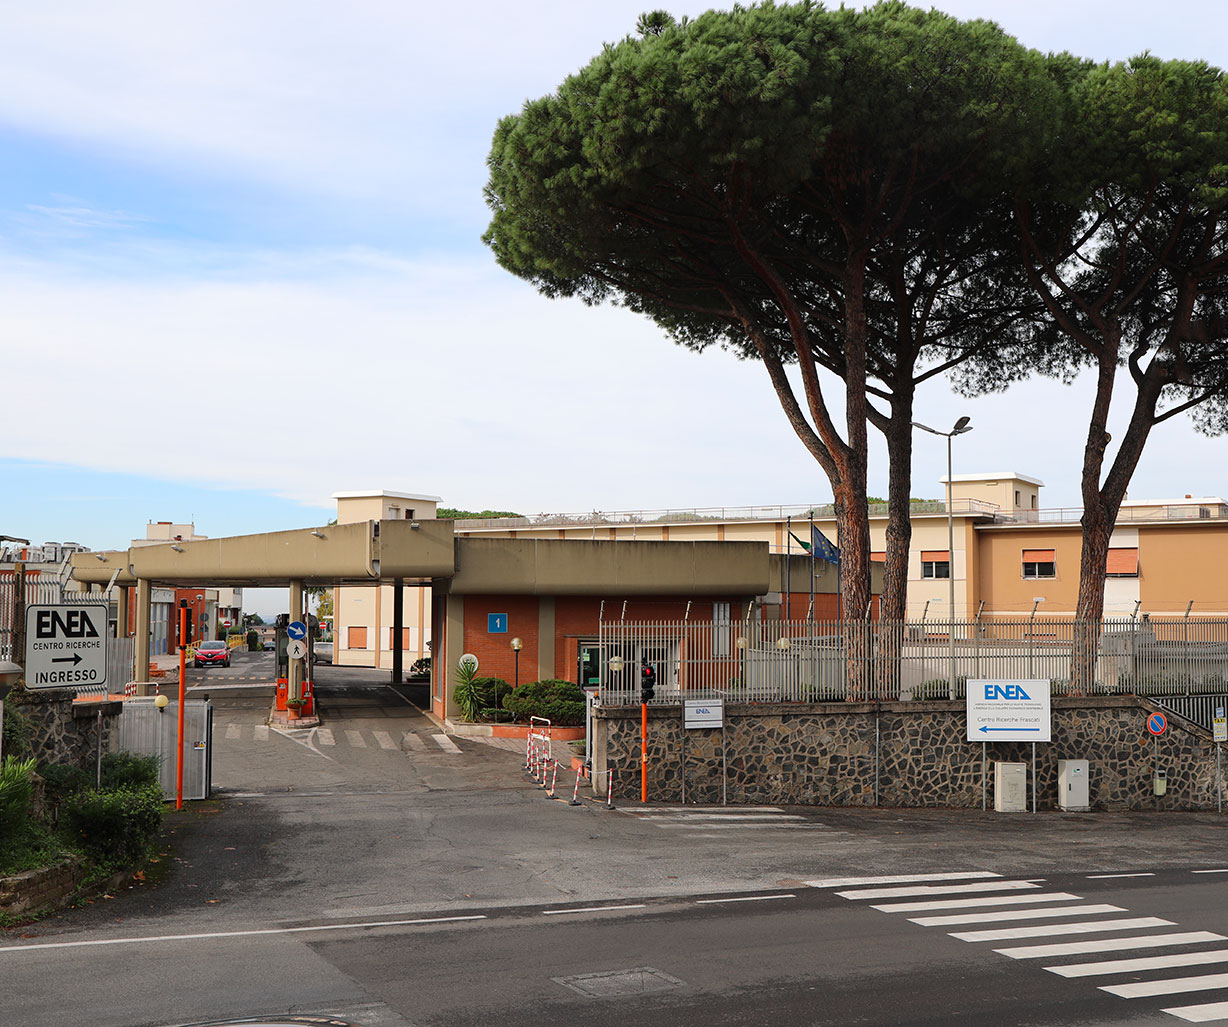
(575, 792)
(609, 788)
(554, 776)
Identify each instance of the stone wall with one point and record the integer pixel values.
(906, 754)
(64, 731)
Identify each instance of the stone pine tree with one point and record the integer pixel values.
(793, 184)
(1124, 239)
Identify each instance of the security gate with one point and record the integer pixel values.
(148, 731)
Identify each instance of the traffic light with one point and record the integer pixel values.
(648, 681)
(187, 621)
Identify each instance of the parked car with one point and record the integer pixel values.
(323, 652)
(212, 654)
(269, 647)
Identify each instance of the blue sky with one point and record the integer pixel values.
(240, 270)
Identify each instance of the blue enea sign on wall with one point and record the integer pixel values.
(496, 623)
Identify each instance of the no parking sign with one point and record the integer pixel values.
(1156, 724)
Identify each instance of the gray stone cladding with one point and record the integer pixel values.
(826, 754)
(64, 731)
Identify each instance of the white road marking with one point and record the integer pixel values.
(236, 934)
(1107, 877)
(999, 915)
(1087, 927)
(355, 739)
(385, 740)
(1172, 986)
(1224, 871)
(589, 909)
(232, 732)
(743, 898)
(994, 900)
(260, 733)
(445, 743)
(1124, 966)
(918, 890)
(1201, 1014)
(658, 818)
(325, 735)
(1076, 948)
(852, 882)
(414, 742)
(709, 826)
(732, 810)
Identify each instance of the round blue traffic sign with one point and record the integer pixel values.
(1156, 723)
(297, 629)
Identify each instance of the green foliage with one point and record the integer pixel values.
(128, 770)
(18, 731)
(253, 641)
(450, 513)
(420, 668)
(469, 696)
(61, 780)
(560, 702)
(16, 791)
(114, 826)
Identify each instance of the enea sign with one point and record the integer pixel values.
(703, 713)
(66, 646)
(1008, 711)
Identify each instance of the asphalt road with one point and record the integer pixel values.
(379, 871)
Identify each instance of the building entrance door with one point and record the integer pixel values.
(588, 663)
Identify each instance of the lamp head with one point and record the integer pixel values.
(161, 702)
(962, 425)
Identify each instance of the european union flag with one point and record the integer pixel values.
(822, 548)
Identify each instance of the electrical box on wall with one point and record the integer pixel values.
(1073, 789)
(1010, 787)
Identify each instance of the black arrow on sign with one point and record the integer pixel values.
(74, 659)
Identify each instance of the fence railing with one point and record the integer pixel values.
(805, 661)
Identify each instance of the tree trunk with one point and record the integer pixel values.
(893, 607)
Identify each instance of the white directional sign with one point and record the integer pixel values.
(296, 648)
(703, 713)
(1008, 711)
(66, 646)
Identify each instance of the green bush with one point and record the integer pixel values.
(253, 641)
(16, 791)
(470, 697)
(62, 779)
(560, 702)
(114, 826)
(18, 732)
(128, 770)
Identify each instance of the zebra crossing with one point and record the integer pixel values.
(966, 896)
(700, 822)
(352, 738)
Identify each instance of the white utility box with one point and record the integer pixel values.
(1010, 787)
(1073, 793)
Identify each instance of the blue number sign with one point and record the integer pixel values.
(496, 623)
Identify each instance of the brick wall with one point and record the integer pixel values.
(494, 650)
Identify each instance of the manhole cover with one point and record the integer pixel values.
(640, 980)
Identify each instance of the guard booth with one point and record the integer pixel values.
(282, 659)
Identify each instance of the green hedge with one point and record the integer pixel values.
(114, 826)
(128, 770)
(16, 791)
(560, 702)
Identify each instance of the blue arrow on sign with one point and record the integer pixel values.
(297, 629)
(986, 728)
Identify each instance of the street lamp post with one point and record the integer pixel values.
(517, 645)
(961, 426)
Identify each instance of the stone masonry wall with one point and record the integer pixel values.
(64, 731)
(825, 754)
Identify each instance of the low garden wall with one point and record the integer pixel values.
(63, 731)
(903, 754)
(40, 889)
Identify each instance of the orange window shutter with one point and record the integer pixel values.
(1039, 555)
(935, 555)
(1122, 561)
(878, 557)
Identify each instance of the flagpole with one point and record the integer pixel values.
(788, 566)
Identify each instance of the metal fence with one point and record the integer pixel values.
(806, 661)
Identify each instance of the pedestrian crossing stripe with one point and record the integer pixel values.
(1012, 894)
(408, 742)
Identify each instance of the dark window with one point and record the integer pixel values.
(935, 568)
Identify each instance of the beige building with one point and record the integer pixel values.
(363, 635)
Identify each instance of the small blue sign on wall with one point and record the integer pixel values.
(496, 623)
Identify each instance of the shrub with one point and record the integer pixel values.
(18, 731)
(560, 702)
(469, 695)
(114, 826)
(253, 641)
(128, 770)
(420, 668)
(61, 780)
(16, 791)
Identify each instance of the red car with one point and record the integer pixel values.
(212, 654)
